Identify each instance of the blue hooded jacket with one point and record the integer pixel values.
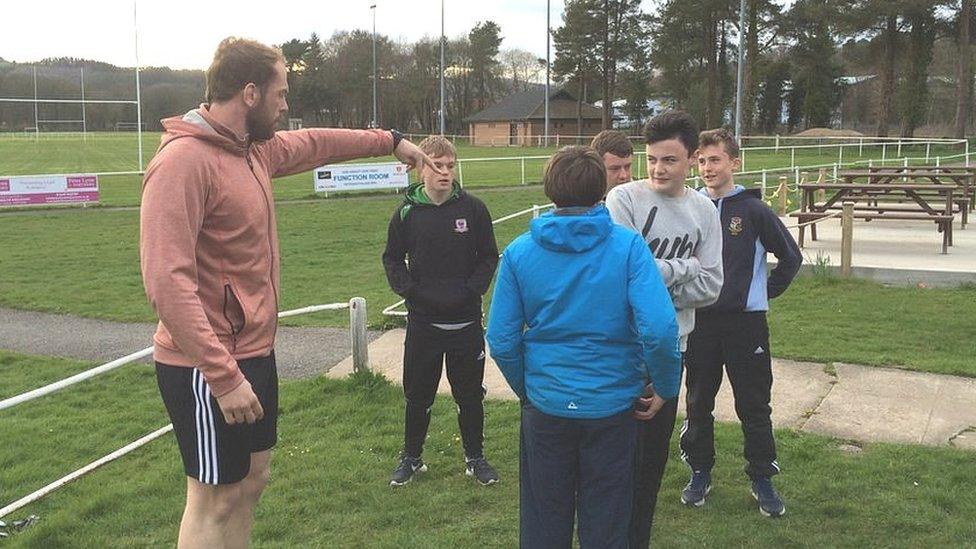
(580, 318)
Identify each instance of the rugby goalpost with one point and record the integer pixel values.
(83, 102)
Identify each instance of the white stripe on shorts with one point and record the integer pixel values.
(197, 416)
(214, 469)
(206, 435)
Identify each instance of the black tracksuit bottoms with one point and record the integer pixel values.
(653, 449)
(740, 342)
(426, 350)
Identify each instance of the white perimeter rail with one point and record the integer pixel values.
(890, 150)
(778, 141)
(535, 210)
(357, 330)
(119, 362)
(884, 145)
(798, 173)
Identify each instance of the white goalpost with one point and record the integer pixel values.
(79, 124)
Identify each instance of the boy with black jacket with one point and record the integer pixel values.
(733, 331)
(446, 236)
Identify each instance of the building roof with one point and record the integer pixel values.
(530, 105)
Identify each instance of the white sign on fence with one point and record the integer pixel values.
(54, 189)
(357, 177)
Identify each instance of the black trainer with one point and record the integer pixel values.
(770, 504)
(697, 488)
(406, 470)
(481, 470)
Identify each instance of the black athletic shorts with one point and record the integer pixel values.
(213, 451)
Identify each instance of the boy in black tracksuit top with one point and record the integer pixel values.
(440, 256)
(733, 331)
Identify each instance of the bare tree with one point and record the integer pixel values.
(521, 67)
(964, 73)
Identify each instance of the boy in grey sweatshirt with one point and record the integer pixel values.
(682, 230)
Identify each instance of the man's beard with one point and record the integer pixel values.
(259, 126)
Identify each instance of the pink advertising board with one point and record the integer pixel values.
(55, 189)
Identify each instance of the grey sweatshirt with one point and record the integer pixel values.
(684, 236)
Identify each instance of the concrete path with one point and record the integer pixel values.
(841, 400)
(300, 352)
(845, 401)
(897, 252)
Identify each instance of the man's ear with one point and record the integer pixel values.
(251, 94)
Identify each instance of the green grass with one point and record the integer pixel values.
(87, 263)
(113, 152)
(861, 322)
(118, 152)
(338, 442)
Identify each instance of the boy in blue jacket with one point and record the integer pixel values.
(733, 332)
(579, 319)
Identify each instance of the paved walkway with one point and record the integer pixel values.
(300, 352)
(897, 251)
(846, 401)
(841, 400)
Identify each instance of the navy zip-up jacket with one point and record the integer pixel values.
(750, 230)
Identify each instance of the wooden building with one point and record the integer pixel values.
(519, 119)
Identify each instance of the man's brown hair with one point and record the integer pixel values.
(575, 176)
(614, 142)
(437, 145)
(718, 136)
(237, 63)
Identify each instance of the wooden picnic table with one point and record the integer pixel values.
(926, 168)
(919, 207)
(963, 177)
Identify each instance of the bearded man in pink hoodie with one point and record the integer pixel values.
(210, 266)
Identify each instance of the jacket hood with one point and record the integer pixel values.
(416, 196)
(738, 193)
(196, 123)
(572, 230)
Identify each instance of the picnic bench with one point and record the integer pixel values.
(963, 177)
(869, 206)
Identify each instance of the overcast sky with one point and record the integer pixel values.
(183, 33)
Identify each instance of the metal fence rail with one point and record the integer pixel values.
(357, 330)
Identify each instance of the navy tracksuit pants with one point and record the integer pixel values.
(576, 468)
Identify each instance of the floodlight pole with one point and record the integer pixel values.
(548, 65)
(739, 72)
(84, 118)
(135, 26)
(373, 8)
(442, 69)
(37, 128)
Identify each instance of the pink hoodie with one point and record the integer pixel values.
(209, 242)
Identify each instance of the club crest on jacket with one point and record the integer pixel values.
(461, 225)
(735, 226)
